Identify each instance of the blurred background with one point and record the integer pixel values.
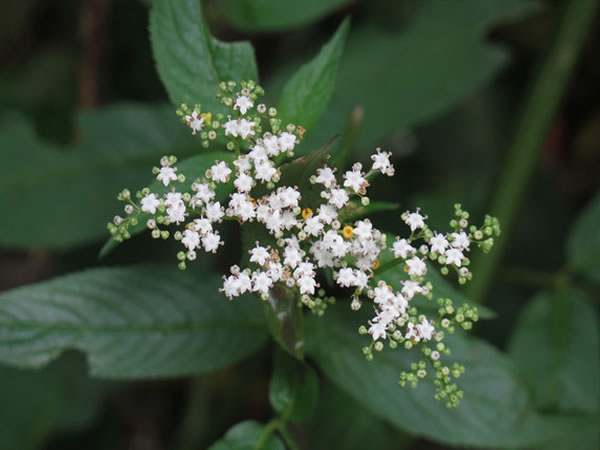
(442, 87)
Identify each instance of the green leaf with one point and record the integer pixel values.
(583, 244)
(394, 276)
(248, 435)
(272, 15)
(495, 412)
(36, 404)
(409, 76)
(556, 345)
(144, 321)
(285, 321)
(306, 95)
(341, 422)
(193, 168)
(294, 388)
(191, 62)
(61, 198)
(355, 210)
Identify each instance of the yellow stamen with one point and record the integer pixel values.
(376, 265)
(306, 213)
(253, 201)
(207, 117)
(406, 268)
(348, 232)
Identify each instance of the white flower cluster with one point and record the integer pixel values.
(304, 231)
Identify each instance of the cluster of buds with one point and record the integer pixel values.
(303, 236)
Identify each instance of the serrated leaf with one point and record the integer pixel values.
(137, 322)
(191, 62)
(395, 75)
(271, 15)
(193, 168)
(555, 344)
(306, 95)
(247, 435)
(36, 404)
(583, 244)
(394, 276)
(495, 412)
(294, 388)
(72, 191)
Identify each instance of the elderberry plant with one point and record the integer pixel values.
(307, 233)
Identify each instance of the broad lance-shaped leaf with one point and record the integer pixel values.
(144, 321)
(307, 93)
(495, 412)
(583, 245)
(270, 15)
(193, 168)
(556, 346)
(407, 77)
(191, 62)
(62, 197)
(248, 435)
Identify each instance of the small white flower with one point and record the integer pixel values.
(416, 267)
(211, 241)
(402, 249)
(214, 211)
(412, 332)
(261, 282)
(426, 329)
(313, 226)
(326, 177)
(354, 179)
(245, 128)
(220, 172)
(346, 277)
(306, 284)
(287, 141)
(289, 197)
(381, 162)
(191, 239)
(149, 203)
(166, 174)
(243, 163)
(438, 243)
(175, 207)
(243, 103)
(454, 256)
(259, 255)
(378, 330)
(271, 145)
(411, 288)
(265, 171)
(204, 193)
(460, 240)
(195, 122)
(232, 128)
(339, 198)
(244, 183)
(415, 221)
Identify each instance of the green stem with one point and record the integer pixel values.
(388, 265)
(266, 433)
(287, 436)
(537, 116)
